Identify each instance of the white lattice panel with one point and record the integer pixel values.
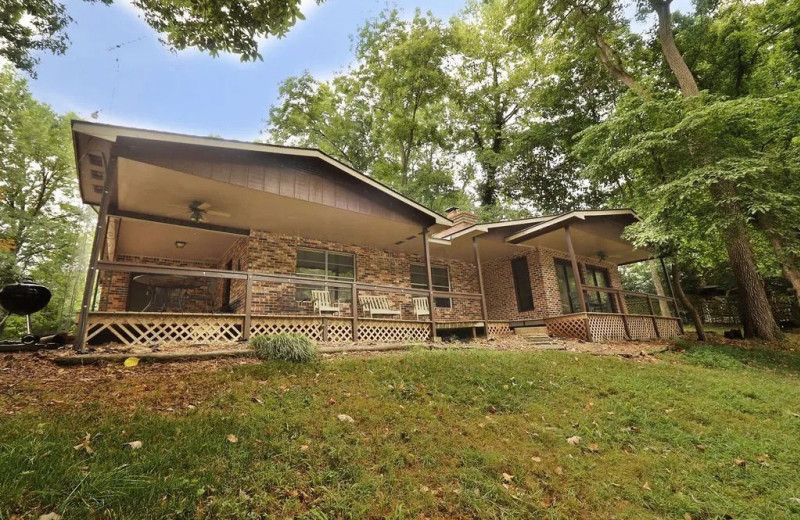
(148, 329)
(573, 326)
(669, 327)
(340, 330)
(641, 327)
(498, 328)
(606, 326)
(392, 331)
(310, 327)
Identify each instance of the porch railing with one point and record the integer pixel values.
(628, 304)
(245, 321)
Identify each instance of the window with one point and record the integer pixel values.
(440, 280)
(598, 301)
(566, 287)
(325, 265)
(522, 283)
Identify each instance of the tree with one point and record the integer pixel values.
(701, 143)
(40, 219)
(215, 26)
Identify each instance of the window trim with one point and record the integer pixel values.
(449, 283)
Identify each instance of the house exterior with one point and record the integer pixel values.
(208, 240)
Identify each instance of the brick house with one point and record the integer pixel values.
(209, 240)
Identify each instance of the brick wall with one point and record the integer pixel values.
(272, 253)
(501, 298)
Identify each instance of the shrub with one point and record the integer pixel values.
(287, 347)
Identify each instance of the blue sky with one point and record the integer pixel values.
(151, 87)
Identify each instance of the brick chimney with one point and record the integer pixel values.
(464, 218)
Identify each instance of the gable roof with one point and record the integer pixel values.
(112, 132)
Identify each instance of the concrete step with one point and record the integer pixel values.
(539, 331)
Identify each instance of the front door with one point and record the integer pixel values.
(598, 301)
(567, 287)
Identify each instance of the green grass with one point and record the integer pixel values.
(712, 431)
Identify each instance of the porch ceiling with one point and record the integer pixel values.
(160, 192)
(152, 239)
(593, 238)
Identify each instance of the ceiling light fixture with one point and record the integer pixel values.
(180, 244)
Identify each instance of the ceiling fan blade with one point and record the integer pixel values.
(178, 206)
(218, 213)
(177, 214)
(203, 206)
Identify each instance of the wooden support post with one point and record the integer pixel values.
(576, 272)
(484, 312)
(354, 309)
(248, 308)
(672, 293)
(431, 299)
(109, 184)
(653, 315)
(325, 329)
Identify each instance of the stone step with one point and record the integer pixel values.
(540, 331)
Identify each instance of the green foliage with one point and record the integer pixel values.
(27, 26)
(42, 226)
(284, 347)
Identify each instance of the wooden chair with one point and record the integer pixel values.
(322, 303)
(421, 307)
(377, 306)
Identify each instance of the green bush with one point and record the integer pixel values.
(287, 347)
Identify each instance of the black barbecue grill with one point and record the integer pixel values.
(24, 298)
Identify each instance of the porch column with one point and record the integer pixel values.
(248, 308)
(431, 300)
(484, 312)
(354, 310)
(109, 184)
(576, 272)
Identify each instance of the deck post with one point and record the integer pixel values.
(653, 315)
(484, 312)
(248, 308)
(354, 309)
(576, 272)
(431, 299)
(109, 184)
(672, 293)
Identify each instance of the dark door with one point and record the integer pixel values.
(567, 288)
(522, 283)
(226, 286)
(139, 295)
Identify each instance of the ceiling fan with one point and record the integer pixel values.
(197, 211)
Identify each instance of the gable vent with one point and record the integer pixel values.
(95, 160)
(97, 188)
(96, 174)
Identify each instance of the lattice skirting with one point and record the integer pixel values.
(339, 329)
(641, 327)
(498, 328)
(669, 327)
(572, 326)
(392, 331)
(160, 328)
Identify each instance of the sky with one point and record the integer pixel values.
(143, 84)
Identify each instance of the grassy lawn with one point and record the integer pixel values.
(707, 432)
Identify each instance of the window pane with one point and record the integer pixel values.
(443, 303)
(341, 266)
(341, 295)
(303, 292)
(419, 276)
(441, 278)
(311, 263)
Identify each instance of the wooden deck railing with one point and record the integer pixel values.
(622, 305)
(250, 277)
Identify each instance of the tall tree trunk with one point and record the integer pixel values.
(693, 314)
(789, 269)
(662, 304)
(758, 319)
(670, 50)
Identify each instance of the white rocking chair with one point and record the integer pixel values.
(421, 307)
(322, 303)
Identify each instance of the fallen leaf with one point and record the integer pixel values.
(134, 445)
(345, 418)
(687, 516)
(84, 445)
(594, 447)
(131, 361)
(50, 516)
(559, 470)
(574, 440)
(232, 438)
(424, 489)
(507, 477)
(257, 401)
(700, 447)
(740, 462)
(304, 447)
(331, 401)
(536, 459)
(646, 486)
